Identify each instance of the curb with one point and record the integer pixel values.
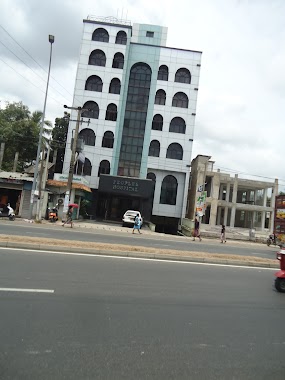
(135, 254)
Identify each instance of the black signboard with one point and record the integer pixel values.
(128, 186)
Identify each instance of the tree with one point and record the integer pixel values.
(59, 136)
(19, 130)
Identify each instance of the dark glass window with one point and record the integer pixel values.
(108, 140)
(168, 192)
(81, 168)
(151, 176)
(160, 97)
(157, 122)
(180, 100)
(93, 112)
(97, 58)
(182, 76)
(111, 112)
(177, 125)
(115, 86)
(149, 34)
(104, 167)
(94, 83)
(88, 136)
(121, 38)
(162, 73)
(135, 120)
(174, 151)
(100, 34)
(154, 148)
(118, 61)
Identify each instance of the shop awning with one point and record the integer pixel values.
(79, 186)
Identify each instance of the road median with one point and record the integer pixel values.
(131, 251)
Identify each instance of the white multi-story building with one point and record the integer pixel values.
(142, 98)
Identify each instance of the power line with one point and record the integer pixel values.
(39, 88)
(35, 60)
(31, 69)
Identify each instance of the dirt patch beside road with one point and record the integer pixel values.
(128, 248)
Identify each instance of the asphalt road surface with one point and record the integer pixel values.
(86, 317)
(162, 241)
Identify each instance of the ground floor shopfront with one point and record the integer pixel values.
(15, 189)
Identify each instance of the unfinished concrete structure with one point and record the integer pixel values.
(232, 201)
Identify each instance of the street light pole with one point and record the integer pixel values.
(51, 41)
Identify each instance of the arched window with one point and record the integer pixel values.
(180, 100)
(111, 112)
(100, 34)
(177, 125)
(93, 110)
(162, 73)
(121, 38)
(88, 136)
(118, 61)
(182, 76)
(154, 148)
(174, 151)
(108, 140)
(94, 83)
(83, 168)
(157, 122)
(168, 190)
(104, 167)
(97, 58)
(160, 97)
(151, 176)
(115, 86)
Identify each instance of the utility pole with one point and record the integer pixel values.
(73, 151)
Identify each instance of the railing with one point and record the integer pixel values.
(109, 19)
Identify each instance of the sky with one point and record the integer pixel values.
(239, 120)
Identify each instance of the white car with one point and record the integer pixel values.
(129, 217)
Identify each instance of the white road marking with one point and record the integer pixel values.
(138, 259)
(26, 290)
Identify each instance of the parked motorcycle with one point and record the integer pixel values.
(53, 213)
(7, 211)
(273, 239)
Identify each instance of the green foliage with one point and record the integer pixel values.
(59, 136)
(19, 130)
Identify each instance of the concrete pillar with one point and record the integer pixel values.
(228, 192)
(219, 215)
(225, 215)
(15, 161)
(272, 204)
(264, 197)
(215, 196)
(263, 214)
(233, 213)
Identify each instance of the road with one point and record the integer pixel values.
(113, 318)
(181, 243)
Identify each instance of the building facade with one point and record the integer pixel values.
(232, 201)
(141, 98)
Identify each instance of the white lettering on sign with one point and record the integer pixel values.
(125, 185)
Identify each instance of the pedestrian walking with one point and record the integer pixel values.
(68, 217)
(223, 234)
(137, 224)
(196, 232)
